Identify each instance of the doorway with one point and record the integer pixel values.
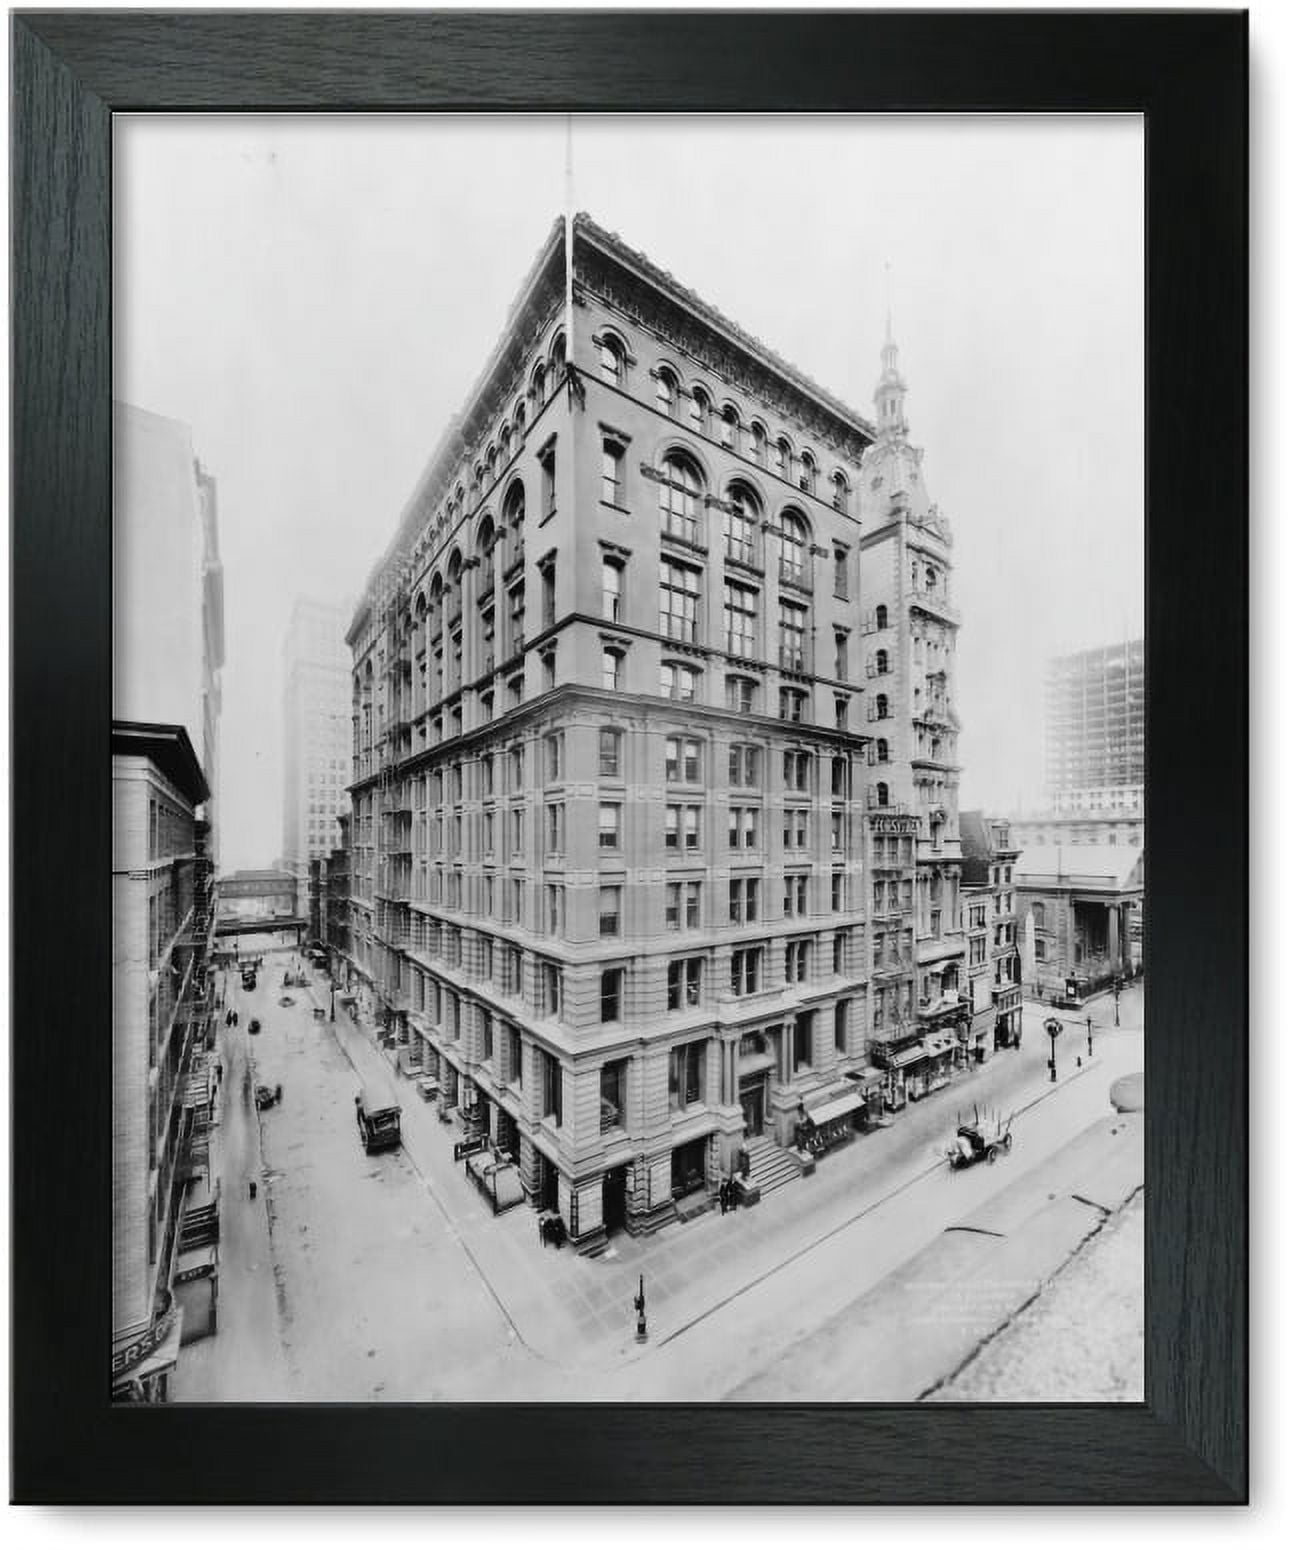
(752, 1103)
(614, 1203)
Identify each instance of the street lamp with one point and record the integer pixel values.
(1089, 1038)
(640, 1307)
(1052, 1028)
(1118, 986)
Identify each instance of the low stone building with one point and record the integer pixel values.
(1078, 910)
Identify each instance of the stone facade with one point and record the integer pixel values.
(625, 773)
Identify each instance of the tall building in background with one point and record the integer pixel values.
(1096, 730)
(316, 736)
(168, 588)
(168, 650)
(655, 852)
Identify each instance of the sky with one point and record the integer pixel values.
(315, 295)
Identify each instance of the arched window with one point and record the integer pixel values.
(729, 427)
(557, 357)
(740, 525)
(793, 539)
(882, 617)
(666, 391)
(519, 417)
(808, 473)
(680, 498)
(882, 662)
(783, 457)
(839, 492)
(882, 707)
(539, 385)
(505, 443)
(491, 461)
(758, 443)
(611, 360)
(932, 578)
(700, 411)
(882, 751)
(882, 795)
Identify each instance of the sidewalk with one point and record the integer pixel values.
(578, 1312)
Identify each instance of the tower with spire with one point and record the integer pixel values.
(891, 390)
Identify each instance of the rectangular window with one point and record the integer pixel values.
(554, 756)
(613, 1085)
(739, 694)
(686, 1074)
(743, 765)
(678, 682)
(795, 894)
(613, 584)
(609, 911)
(516, 1066)
(680, 594)
(555, 828)
(743, 900)
(612, 456)
(842, 655)
(613, 669)
(795, 771)
(841, 558)
(683, 986)
(838, 952)
(550, 989)
(802, 1048)
(554, 908)
(743, 828)
(608, 753)
(609, 826)
(795, 828)
(548, 593)
(740, 611)
(790, 704)
(797, 962)
(682, 906)
(683, 760)
(793, 626)
(745, 970)
(837, 891)
(548, 482)
(612, 988)
(552, 1084)
(518, 817)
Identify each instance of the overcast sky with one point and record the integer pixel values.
(314, 296)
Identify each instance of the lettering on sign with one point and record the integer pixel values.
(892, 825)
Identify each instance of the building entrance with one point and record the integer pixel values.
(547, 1184)
(614, 1205)
(752, 1103)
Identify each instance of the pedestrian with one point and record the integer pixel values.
(251, 1189)
(220, 1072)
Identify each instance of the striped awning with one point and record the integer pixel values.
(833, 1108)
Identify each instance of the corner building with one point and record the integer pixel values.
(621, 753)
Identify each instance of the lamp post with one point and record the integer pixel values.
(1052, 1028)
(1118, 986)
(1089, 1038)
(640, 1307)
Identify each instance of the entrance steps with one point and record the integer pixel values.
(771, 1166)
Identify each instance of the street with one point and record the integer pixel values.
(355, 1277)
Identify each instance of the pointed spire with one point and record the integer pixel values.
(891, 389)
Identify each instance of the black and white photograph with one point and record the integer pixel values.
(628, 759)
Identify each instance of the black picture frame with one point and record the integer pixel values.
(1187, 73)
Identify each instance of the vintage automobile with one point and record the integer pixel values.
(267, 1097)
(254, 1026)
(979, 1141)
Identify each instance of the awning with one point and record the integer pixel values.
(907, 1056)
(833, 1108)
(938, 1043)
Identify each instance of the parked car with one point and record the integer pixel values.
(254, 1026)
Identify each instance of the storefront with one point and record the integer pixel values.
(687, 1167)
(829, 1118)
(142, 1366)
(900, 1083)
(941, 1051)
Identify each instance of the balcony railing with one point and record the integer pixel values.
(935, 602)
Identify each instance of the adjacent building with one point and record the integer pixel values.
(1096, 734)
(1078, 912)
(337, 903)
(988, 919)
(655, 857)
(161, 1023)
(168, 587)
(316, 736)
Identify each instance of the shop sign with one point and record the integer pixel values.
(130, 1356)
(892, 824)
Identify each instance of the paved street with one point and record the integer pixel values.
(387, 1277)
